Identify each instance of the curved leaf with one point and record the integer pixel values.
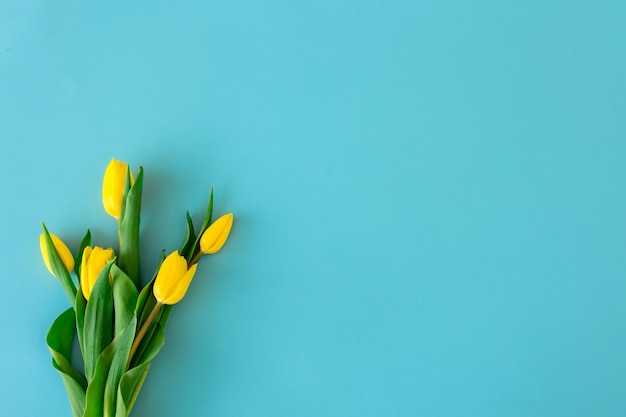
(129, 387)
(75, 392)
(59, 340)
(95, 398)
(189, 239)
(79, 308)
(132, 381)
(156, 343)
(124, 298)
(79, 256)
(118, 366)
(165, 315)
(98, 326)
(205, 224)
(146, 292)
(58, 267)
(129, 230)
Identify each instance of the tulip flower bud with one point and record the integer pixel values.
(94, 260)
(173, 279)
(64, 252)
(215, 235)
(113, 187)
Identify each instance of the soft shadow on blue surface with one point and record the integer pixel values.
(429, 199)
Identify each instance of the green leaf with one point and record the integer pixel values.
(61, 334)
(129, 230)
(112, 355)
(98, 320)
(129, 388)
(118, 366)
(165, 315)
(156, 343)
(146, 292)
(59, 340)
(79, 308)
(205, 225)
(124, 298)
(145, 342)
(132, 381)
(127, 186)
(79, 256)
(208, 215)
(189, 239)
(59, 268)
(75, 392)
(144, 295)
(147, 308)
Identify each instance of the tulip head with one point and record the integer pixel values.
(63, 251)
(94, 260)
(173, 279)
(215, 235)
(113, 186)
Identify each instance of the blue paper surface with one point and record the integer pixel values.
(429, 199)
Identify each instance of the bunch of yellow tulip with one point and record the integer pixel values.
(118, 322)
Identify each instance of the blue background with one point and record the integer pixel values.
(429, 199)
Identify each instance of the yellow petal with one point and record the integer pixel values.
(97, 259)
(172, 270)
(64, 252)
(215, 236)
(181, 289)
(113, 186)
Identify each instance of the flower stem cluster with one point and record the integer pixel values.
(119, 323)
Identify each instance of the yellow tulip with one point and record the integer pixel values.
(113, 186)
(173, 279)
(215, 235)
(64, 252)
(94, 260)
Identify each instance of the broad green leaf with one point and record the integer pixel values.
(129, 388)
(98, 326)
(132, 381)
(75, 392)
(124, 298)
(79, 256)
(129, 230)
(205, 224)
(59, 268)
(189, 239)
(59, 340)
(61, 334)
(118, 366)
(95, 404)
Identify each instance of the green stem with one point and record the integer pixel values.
(196, 259)
(142, 332)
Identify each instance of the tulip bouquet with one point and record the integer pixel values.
(119, 325)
